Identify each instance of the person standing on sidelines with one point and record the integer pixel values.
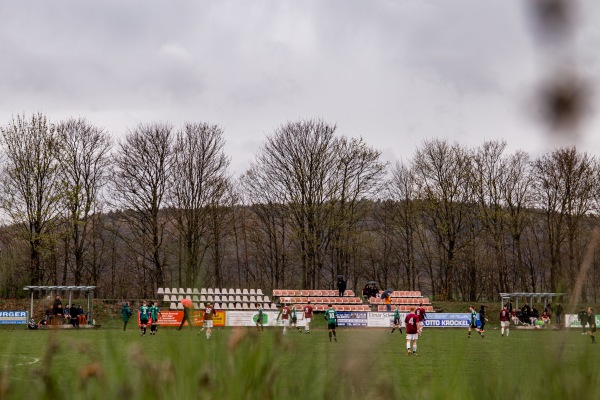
(144, 315)
(482, 320)
(504, 320)
(259, 319)
(559, 312)
(412, 331)
(308, 312)
(154, 314)
(582, 316)
(331, 317)
(294, 321)
(420, 311)
(473, 320)
(285, 317)
(591, 318)
(125, 314)
(396, 323)
(209, 312)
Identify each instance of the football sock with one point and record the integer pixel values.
(330, 336)
(415, 348)
(502, 331)
(507, 330)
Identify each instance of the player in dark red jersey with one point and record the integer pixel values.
(285, 317)
(420, 311)
(504, 320)
(308, 312)
(209, 312)
(412, 331)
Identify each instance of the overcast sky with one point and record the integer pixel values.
(394, 72)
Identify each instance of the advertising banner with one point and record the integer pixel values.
(249, 318)
(14, 317)
(383, 319)
(447, 320)
(352, 318)
(572, 321)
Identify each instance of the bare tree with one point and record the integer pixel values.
(31, 184)
(489, 172)
(83, 153)
(198, 181)
(143, 163)
(566, 187)
(443, 173)
(402, 189)
(517, 195)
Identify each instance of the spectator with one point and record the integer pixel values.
(341, 285)
(545, 319)
(57, 309)
(559, 312)
(125, 314)
(514, 317)
(535, 315)
(583, 320)
(67, 314)
(81, 318)
(74, 316)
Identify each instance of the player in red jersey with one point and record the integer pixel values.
(504, 320)
(285, 317)
(308, 312)
(209, 312)
(420, 311)
(412, 331)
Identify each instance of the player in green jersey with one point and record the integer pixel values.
(331, 317)
(294, 321)
(154, 314)
(397, 323)
(473, 320)
(144, 315)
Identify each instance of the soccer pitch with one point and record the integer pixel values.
(245, 364)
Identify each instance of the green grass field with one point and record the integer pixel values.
(244, 364)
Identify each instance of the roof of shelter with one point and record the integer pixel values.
(531, 294)
(63, 288)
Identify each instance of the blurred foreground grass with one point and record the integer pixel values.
(245, 364)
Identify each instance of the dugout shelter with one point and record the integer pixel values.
(529, 298)
(61, 290)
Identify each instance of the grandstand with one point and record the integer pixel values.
(403, 299)
(222, 298)
(349, 302)
(320, 299)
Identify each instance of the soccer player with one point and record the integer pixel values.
(420, 311)
(186, 316)
(473, 320)
(331, 317)
(259, 319)
(294, 322)
(144, 314)
(396, 321)
(209, 312)
(482, 320)
(504, 321)
(308, 312)
(592, 323)
(412, 331)
(125, 314)
(285, 317)
(154, 313)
